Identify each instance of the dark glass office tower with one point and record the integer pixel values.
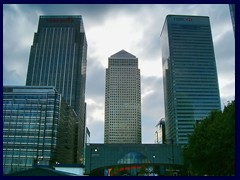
(58, 58)
(190, 79)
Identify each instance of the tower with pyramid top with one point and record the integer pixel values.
(122, 100)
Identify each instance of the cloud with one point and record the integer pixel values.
(152, 106)
(96, 132)
(116, 33)
(11, 77)
(17, 41)
(227, 93)
(95, 85)
(95, 90)
(225, 55)
(95, 110)
(225, 100)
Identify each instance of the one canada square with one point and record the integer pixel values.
(122, 100)
(58, 58)
(190, 80)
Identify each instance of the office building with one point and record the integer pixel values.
(122, 99)
(190, 79)
(38, 128)
(58, 58)
(160, 137)
(133, 159)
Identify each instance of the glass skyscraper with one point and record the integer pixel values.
(122, 99)
(58, 58)
(38, 128)
(190, 79)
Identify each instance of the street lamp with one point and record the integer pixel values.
(154, 158)
(91, 154)
(154, 163)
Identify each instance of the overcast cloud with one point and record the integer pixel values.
(109, 29)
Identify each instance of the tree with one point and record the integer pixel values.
(211, 148)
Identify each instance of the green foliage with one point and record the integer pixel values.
(211, 148)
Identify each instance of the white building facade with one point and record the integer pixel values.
(122, 100)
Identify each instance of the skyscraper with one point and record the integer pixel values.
(160, 132)
(190, 79)
(58, 58)
(38, 128)
(122, 99)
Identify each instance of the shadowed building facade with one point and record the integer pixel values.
(58, 58)
(190, 79)
(38, 128)
(132, 159)
(122, 99)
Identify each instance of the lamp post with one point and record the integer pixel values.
(154, 160)
(91, 154)
(154, 163)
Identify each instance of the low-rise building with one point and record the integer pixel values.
(38, 128)
(132, 159)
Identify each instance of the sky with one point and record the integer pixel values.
(110, 28)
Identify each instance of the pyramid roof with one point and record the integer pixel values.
(123, 54)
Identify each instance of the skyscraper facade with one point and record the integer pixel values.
(190, 79)
(122, 99)
(160, 132)
(38, 128)
(58, 58)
